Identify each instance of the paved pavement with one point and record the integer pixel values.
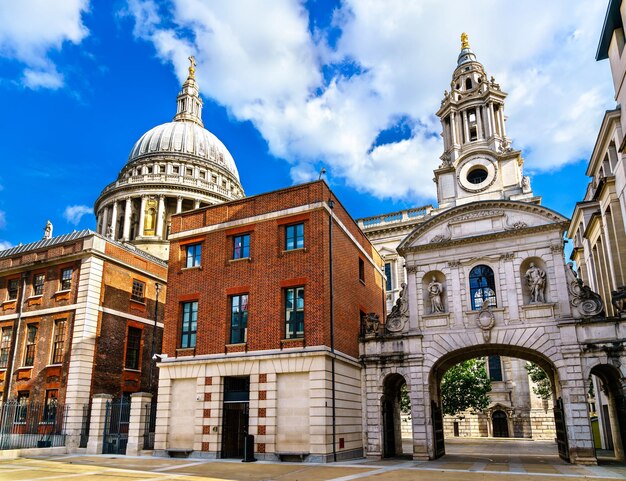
(473, 460)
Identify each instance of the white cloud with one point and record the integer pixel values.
(4, 245)
(3, 219)
(31, 29)
(74, 213)
(265, 66)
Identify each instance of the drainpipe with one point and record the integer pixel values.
(157, 286)
(331, 204)
(15, 335)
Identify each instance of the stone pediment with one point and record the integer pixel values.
(479, 220)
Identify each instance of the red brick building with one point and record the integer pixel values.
(77, 319)
(254, 286)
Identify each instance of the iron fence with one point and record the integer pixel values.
(116, 427)
(149, 427)
(32, 425)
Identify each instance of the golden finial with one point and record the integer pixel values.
(464, 41)
(192, 67)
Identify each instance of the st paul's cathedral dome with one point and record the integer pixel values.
(174, 167)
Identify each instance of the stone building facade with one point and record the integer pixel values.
(598, 226)
(478, 164)
(486, 276)
(78, 318)
(262, 321)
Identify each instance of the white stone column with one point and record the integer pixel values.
(96, 426)
(142, 214)
(114, 221)
(486, 123)
(492, 118)
(127, 212)
(453, 128)
(179, 204)
(105, 219)
(479, 124)
(139, 412)
(465, 126)
(196, 204)
(503, 121)
(83, 340)
(160, 217)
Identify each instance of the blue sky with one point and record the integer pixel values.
(288, 87)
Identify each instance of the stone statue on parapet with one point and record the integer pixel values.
(47, 231)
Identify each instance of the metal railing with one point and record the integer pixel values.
(32, 425)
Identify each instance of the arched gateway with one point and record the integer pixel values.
(485, 276)
(530, 305)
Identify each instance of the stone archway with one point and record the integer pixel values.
(391, 415)
(559, 327)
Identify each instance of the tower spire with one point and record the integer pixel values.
(188, 102)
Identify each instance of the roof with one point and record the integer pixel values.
(62, 239)
(612, 21)
(44, 243)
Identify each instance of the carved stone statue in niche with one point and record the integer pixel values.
(536, 281)
(435, 292)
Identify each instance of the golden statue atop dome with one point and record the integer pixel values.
(192, 67)
(464, 41)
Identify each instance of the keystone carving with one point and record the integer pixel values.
(486, 320)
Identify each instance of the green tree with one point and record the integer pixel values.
(542, 387)
(465, 387)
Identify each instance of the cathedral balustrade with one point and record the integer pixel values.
(395, 217)
(168, 179)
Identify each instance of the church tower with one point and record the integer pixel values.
(478, 162)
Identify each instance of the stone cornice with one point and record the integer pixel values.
(557, 222)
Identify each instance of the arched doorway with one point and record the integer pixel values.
(500, 424)
(499, 415)
(609, 411)
(392, 415)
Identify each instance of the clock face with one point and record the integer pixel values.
(477, 173)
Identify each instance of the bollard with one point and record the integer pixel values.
(248, 449)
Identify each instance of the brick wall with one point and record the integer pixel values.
(269, 270)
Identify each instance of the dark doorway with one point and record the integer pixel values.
(389, 429)
(440, 447)
(500, 424)
(235, 417)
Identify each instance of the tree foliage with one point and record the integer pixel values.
(542, 387)
(465, 387)
(405, 400)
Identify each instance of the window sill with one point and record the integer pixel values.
(236, 344)
(131, 370)
(38, 296)
(12, 304)
(299, 249)
(24, 368)
(234, 261)
(143, 303)
(54, 365)
(293, 339)
(191, 268)
(62, 295)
